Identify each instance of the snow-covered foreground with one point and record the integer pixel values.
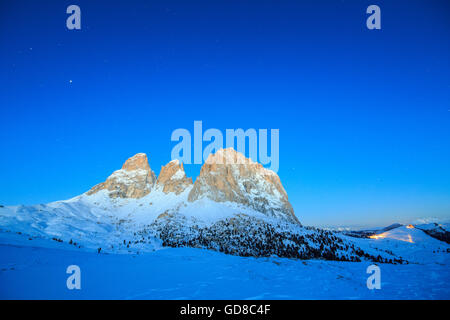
(38, 243)
(185, 273)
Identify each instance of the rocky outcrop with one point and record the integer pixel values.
(228, 175)
(172, 178)
(134, 180)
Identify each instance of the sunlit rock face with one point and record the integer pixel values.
(228, 175)
(172, 178)
(134, 180)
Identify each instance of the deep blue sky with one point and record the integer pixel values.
(364, 116)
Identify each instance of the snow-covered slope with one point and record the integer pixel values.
(410, 243)
(241, 209)
(187, 273)
(159, 219)
(438, 230)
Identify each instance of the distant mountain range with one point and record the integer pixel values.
(440, 231)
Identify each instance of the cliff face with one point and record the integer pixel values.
(228, 175)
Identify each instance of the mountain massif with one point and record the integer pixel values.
(235, 206)
(227, 176)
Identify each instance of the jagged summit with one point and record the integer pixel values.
(228, 175)
(134, 180)
(137, 162)
(172, 178)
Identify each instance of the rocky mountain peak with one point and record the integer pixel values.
(228, 175)
(137, 162)
(134, 180)
(172, 178)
